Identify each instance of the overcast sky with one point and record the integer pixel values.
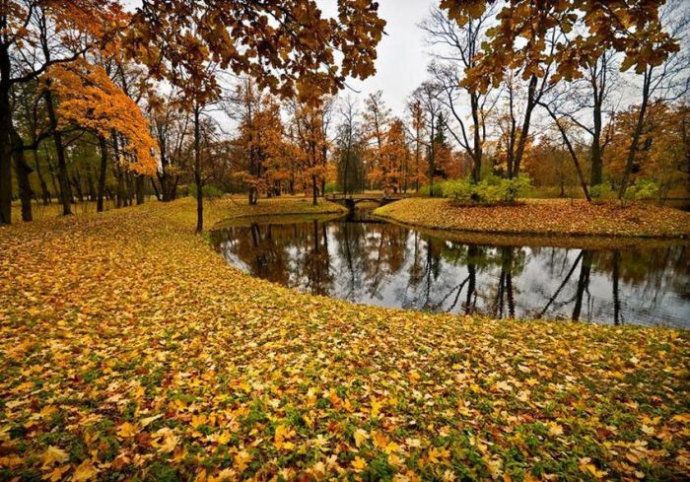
(402, 53)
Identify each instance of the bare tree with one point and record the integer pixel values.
(428, 96)
(455, 49)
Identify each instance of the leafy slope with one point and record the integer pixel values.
(129, 349)
(543, 216)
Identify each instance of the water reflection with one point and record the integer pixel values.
(384, 264)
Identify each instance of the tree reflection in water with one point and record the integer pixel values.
(367, 261)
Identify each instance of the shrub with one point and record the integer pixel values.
(511, 189)
(642, 189)
(208, 191)
(600, 191)
(458, 189)
(490, 190)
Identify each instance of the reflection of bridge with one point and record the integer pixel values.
(351, 202)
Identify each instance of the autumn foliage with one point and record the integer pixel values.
(89, 99)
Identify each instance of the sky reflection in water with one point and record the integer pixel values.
(389, 265)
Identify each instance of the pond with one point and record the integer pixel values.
(369, 261)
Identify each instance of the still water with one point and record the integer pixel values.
(368, 261)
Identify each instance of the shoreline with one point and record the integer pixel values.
(440, 215)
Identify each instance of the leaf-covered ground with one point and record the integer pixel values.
(544, 216)
(130, 350)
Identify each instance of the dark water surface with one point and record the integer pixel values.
(379, 263)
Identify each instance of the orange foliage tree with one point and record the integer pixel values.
(89, 99)
(663, 155)
(309, 136)
(48, 32)
(392, 170)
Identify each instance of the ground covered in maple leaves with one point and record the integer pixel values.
(543, 216)
(129, 349)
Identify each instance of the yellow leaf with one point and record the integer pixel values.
(242, 459)
(281, 437)
(360, 437)
(224, 475)
(359, 464)
(85, 471)
(53, 455)
(224, 438)
(555, 429)
(127, 430)
(169, 443)
(144, 422)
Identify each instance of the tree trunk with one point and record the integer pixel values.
(76, 180)
(314, 190)
(139, 189)
(102, 173)
(5, 141)
(23, 170)
(45, 193)
(597, 165)
(636, 133)
(119, 175)
(197, 172)
(477, 151)
(63, 176)
(524, 132)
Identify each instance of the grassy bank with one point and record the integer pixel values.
(129, 349)
(543, 216)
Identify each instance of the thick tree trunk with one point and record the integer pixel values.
(102, 173)
(23, 170)
(120, 194)
(596, 163)
(5, 141)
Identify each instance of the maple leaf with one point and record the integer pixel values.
(281, 437)
(241, 460)
(361, 436)
(358, 464)
(127, 430)
(53, 455)
(85, 471)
